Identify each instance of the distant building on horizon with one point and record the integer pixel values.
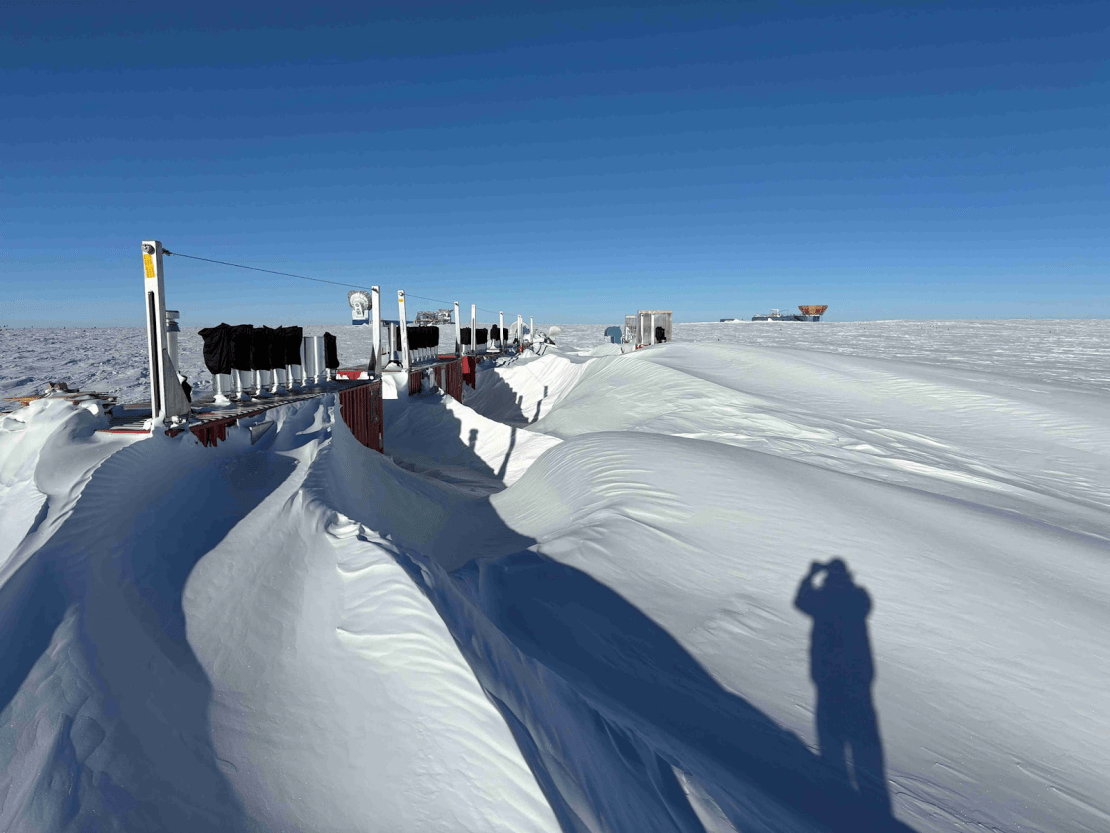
(809, 312)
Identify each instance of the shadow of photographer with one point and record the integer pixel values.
(843, 670)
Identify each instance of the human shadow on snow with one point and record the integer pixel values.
(637, 674)
(843, 670)
(602, 700)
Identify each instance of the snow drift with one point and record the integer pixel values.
(581, 601)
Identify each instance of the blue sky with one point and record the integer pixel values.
(571, 161)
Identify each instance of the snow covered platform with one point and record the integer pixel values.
(361, 405)
(449, 373)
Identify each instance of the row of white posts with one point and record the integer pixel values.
(406, 357)
(167, 397)
(266, 383)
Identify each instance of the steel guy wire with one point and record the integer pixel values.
(306, 278)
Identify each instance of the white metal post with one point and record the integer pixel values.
(172, 333)
(290, 376)
(154, 284)
(306, 359)
(315, 348)
(376, 306)
(531, 328)
(520, 329)
(220, 390)
(405, 363)
(313, 351)
(167, 398)
(458, 331)
(501, 330)
(474, 329)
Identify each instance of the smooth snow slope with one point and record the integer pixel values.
(192, 641)
(974, 511)
(569, 603)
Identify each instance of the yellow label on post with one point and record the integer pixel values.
(148, 264)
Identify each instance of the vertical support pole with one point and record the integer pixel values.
(531, 328)
(167, 399)
(458, 331)
(320, 358)
(154, 285)
(501, 331)
(520, 330)
(172, 333)
(220, 390)
(376, 308)
(474, 329)
(405, 363)
(653, 328)
(306, 359)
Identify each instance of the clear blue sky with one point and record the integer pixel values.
(573, 161)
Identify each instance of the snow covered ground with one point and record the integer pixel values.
(583, 600)
(1073, 352)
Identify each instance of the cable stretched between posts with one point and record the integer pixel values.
(426, 298)
(304, 277)
(258, 269)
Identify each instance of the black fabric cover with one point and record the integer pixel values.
(277, 349)
(497, 333)
(481, 334)
(242, 337)
(217, 348)
(289, 341)
(261, 340)
(331, 352)
(420, 338)
(660, 335)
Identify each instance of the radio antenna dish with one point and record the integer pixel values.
(360, 302)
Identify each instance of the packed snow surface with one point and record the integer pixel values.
(1069, 352)
(584, 600)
